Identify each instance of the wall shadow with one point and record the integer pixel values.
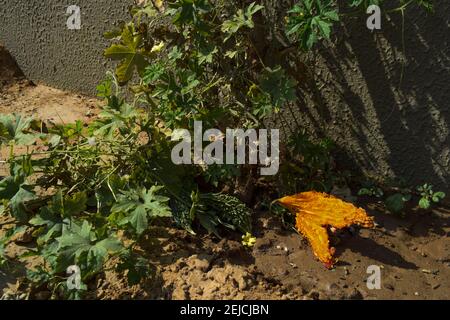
(384, 96)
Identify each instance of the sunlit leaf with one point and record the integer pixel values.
(14, 127)
(140, 205)
(130, 53)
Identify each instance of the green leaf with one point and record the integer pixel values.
(438, 196)
(153, 72)
(137, 266)
(18, 203)
(426, 4)
(424, 203)
(111, 120)
(138, 219)
(14, 127)
(140, 205)
(69, 205)
(5, 239)
(52, 222)
(252, 9)
(175, 54)
(130, 52)
(325, 28)
(79, 245)
(278, 85)
(75, 204)
(332, 15)
(240, 20)
(311, 21)
(206, 54)
(157, 205)
(72, 243)
(14, 191)
(188, 12)
(9, 186)
(104, 89)
(395, 203)
(148, 10)
(209, 222)
(110, 244)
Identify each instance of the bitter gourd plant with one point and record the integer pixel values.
(88, 192)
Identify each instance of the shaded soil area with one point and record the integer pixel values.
(413, 252)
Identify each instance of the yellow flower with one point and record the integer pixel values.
(248, 240)
(159, 4)
(158, 47)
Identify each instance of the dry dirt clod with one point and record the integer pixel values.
(179, 294)
(389, 286)
(201, 263)
(23, 237)
(313, 295)
(436, 286)
(43, 295)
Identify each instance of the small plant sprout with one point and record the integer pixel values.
(371, 191)
(396, 202)
(428, 196)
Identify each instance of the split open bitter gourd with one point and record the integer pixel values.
(315, 212)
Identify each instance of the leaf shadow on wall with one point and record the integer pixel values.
(385, 126)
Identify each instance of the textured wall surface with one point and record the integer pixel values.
(383, 126)
(36, 34)
(389, 120)
(385, 98)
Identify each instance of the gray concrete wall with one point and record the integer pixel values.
(36, 34)
(383, 128)
(386, 127)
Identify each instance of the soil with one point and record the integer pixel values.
(53, 106)
(19, 95)
(413, 252)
